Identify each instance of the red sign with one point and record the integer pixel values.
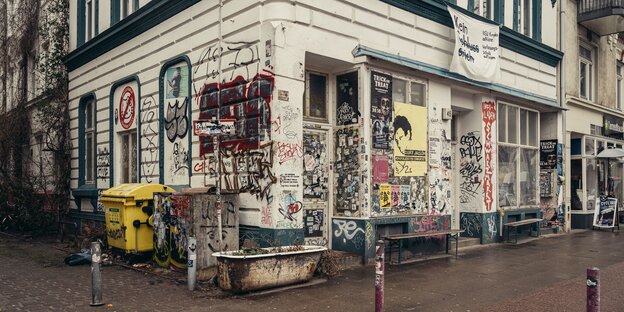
(127, 107)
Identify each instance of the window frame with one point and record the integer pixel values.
(87, 102)
(409, 81)
(590, 71)
(519, 147)
(126, 176)
(306, 100)
(619, 85)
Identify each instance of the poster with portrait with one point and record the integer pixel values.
(381, 109)
(410, 140)
(176, 81)
(605, 212)
(548, 154)
(347, 106)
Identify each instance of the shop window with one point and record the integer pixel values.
(586, 72)
(618, 86)
(589, 147)
(129, 157)
(518, 154)
(315, 102)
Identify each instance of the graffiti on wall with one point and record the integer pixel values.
(172, 226)
(176, 124)
(471, 224)
(470, 168)
(289, 206)
(315, 176)
(103, 163)
(430, 223)
(313, 223)
(489, 117)
(347, 107)
(348, 231)
(149, 140)
(346, 169)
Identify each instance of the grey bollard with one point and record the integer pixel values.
(192, 263)
(96, 275)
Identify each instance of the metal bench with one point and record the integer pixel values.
(517, 224)
(397, 239)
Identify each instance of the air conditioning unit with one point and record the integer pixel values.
(447, 114)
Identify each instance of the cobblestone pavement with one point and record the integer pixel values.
(540, 275)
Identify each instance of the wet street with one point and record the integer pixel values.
(547, 274)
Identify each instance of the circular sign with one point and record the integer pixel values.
(127, 105)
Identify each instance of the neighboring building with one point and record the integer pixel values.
(32, 149)
(349, 123)
(595, 120)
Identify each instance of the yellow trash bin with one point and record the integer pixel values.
(127, 209)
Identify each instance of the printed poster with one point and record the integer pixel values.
(380, 169)
(395, 191)
(176, 81)
(410, 140)
(605, 212)
(405, 195)
(476, 54)
(385, 196)
(548, 154)
(381, 109)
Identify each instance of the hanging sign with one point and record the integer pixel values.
(476, 54)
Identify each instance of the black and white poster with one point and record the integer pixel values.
(347, 108)
(548, 154)
(381, 109)
(605, 212)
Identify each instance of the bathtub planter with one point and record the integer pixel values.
(242, 271)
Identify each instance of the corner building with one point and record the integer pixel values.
(349, 125)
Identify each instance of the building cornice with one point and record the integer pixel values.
(578, 102)
(436, 11)
(150, 15)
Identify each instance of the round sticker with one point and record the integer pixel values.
(127, 105)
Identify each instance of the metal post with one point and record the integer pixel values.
(96, 275)
(192, 266)
(593, 290)
(379, 275)
(215, 141)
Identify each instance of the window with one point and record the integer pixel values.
(412, 92)
(518, 156)
(586, 72)
(315, 97)
(89, 12)
(480, 7)
(129, 157)
(89, 142)
(618, 86)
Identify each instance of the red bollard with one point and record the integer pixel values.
(593, 290)
(379, 275)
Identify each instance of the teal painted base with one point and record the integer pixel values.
(270, 237)
(484, 226)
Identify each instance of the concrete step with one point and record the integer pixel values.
(347, 259)
(464, 242)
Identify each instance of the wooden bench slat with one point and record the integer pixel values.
(422, 234)
(523, 222)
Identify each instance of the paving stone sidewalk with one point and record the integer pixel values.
(540, 275)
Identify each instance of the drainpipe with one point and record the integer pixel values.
(562, 104)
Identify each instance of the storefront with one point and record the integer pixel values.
(590, 176)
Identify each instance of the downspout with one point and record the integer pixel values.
(562, 104)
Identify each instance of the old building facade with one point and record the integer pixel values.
(593, 87)
(348, 123)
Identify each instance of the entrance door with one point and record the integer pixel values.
(315, 186)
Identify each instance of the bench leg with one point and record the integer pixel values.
(400, 249)
(456, 244)
(447, 242)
